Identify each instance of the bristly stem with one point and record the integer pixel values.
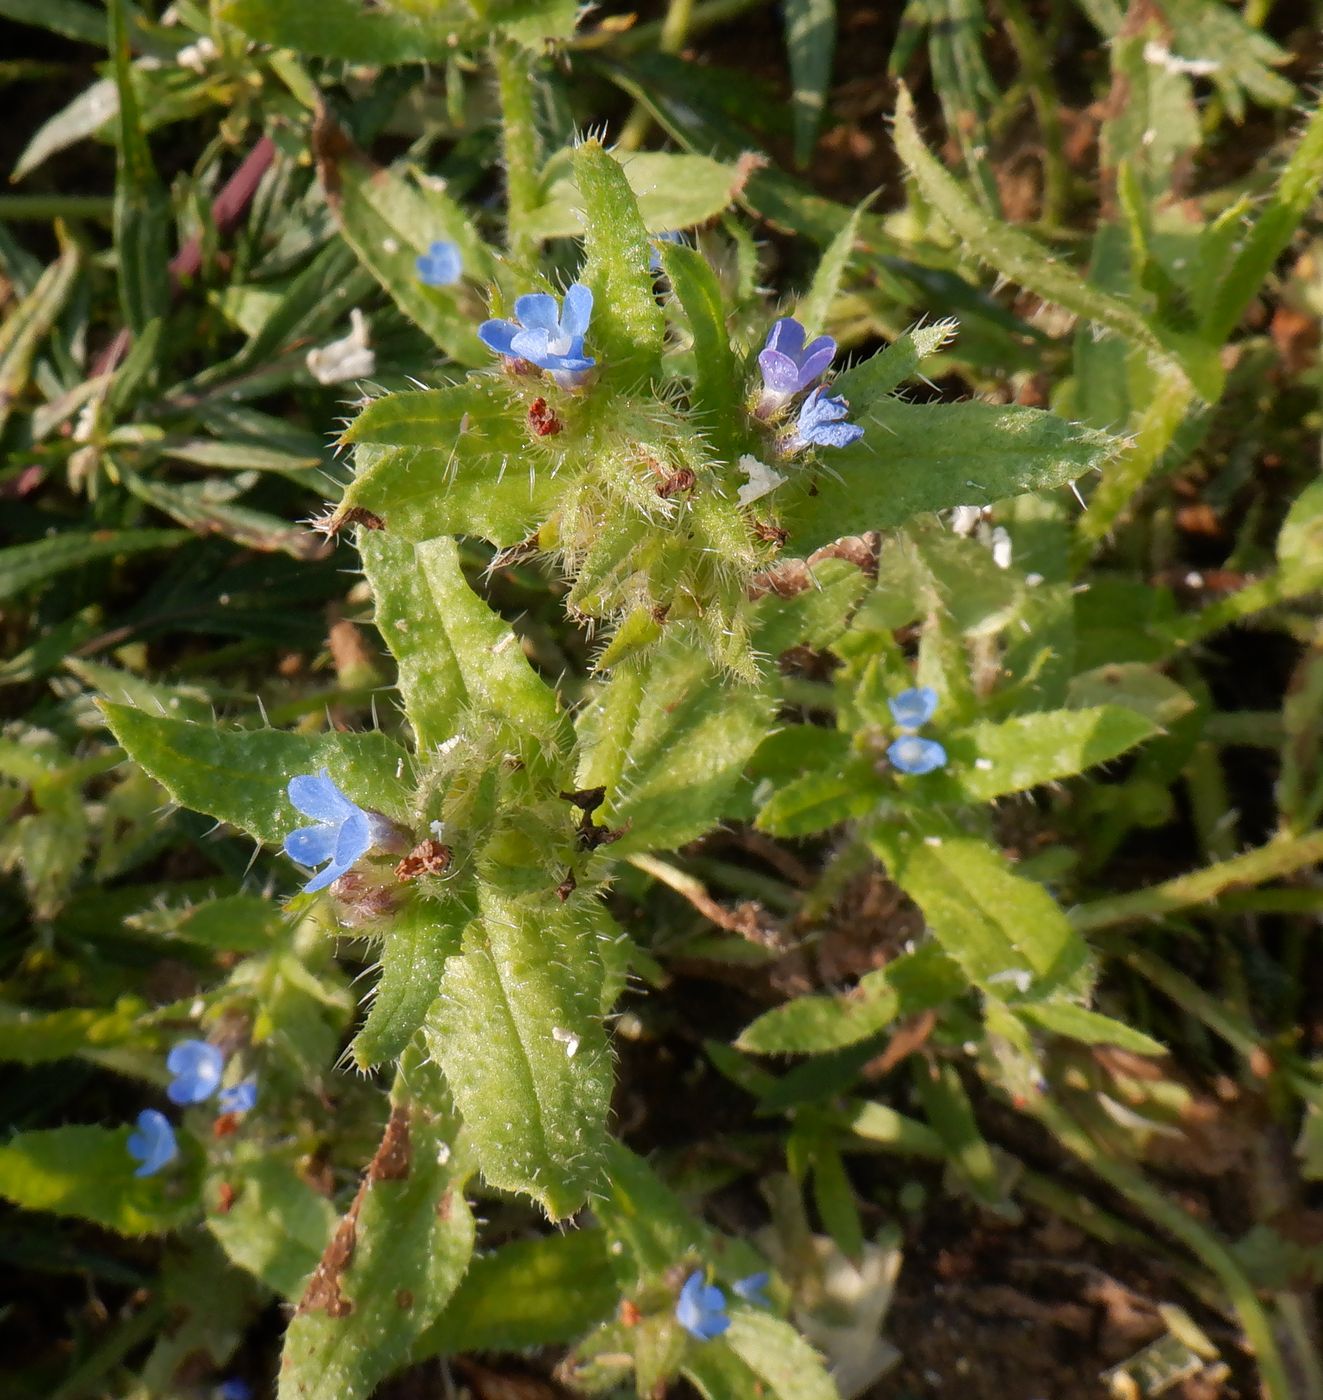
(521, 146)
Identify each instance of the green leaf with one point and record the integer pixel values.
(878, 375)
(1022, 752)
(810, 45)
(812, 1025)
(91, 110)
(1299, 545)
(818, 801)
(456, 656)
(413, 957)
(993, 923)
(668, 741)
(240, 775)
(24, 565)
(87, 1172)
(814, 311)
(517, 1029)
(388, 220)
(1018, 256)
(530, 1293)
(923, 457)
(30, 1037)
(951, 1114)
(465, 476)
(718, 394)
(1068, 1018)
(672, 191)
(395, 1258)
(71, 18)
(778, 1355)
(275, 1226)
(26, 325)
(142, 207)
(627, 324)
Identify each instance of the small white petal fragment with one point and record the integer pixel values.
(341, 360)
(1160, 56)
(1019, 977)
(1001, 548)
(762, 480)
(965, 519)
(566, 1038)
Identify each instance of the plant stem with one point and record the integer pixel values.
(1283, 856)
(521, 147)
(670, 40)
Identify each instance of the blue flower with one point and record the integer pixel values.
(343, 835)
(913, 708)
(822, 423)
(751, 1289)
(912, 754)
(196, 1066)
(153, 1144)
(234, 1389)
(788, 365)
(547, 336)
(701, 1308)
(440, 265)
(673, 236)
(239, 1098)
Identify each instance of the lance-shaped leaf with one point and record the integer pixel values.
(455, 654)
(27, 325)
(776, 1353)
(240, 775)
(446, 462)
(24, 566)
(86, 1171)
(627, 325)
(923, 457)
(388, 220)
(517, 1029)
(1005, 932)
(668, 741)
(413, 956)
(396, 1256)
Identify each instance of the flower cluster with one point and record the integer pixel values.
(790, 363)
(197, 1067)
(546, 335)
(701, 1306)
(910, 753)
(344, 833)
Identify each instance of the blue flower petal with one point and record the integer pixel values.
(538, 311)
(780, 373)
(319, 797)
(312, 845)
(786, 338)
(498, 336)
(913, 708)
(197, 1067)
(576, 311)
(816, 360)
(234, 1389)
(533, 345)
(355, 839)
(239, 1098)
(751, 1289)
(701, 1309)
(153, 1143)
(911, 754)
(836, 434)
(441, 265)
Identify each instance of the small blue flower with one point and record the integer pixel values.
(822, 423)
(153, 1144)
(343, 835)
(788, 365)
(234, 1389)
(239, 1098)
(196, 1066)
(913, 708)
(751, 1289)
(912, 754)
(547, 336)
(701, 1308)
(673, 236)
(440, 266)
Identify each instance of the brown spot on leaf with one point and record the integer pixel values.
(542, 419)
(323, 1291)
(403, 1299)
(427, 858)
(395, 1154)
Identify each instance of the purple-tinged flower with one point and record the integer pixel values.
(821, 423)
(239, 1098)
(545, 335)
(788, 365)
(913, 708)
(440, 266)
(912, 754)
(232, 1388)
(153, 1143)
(196, 1066)
(344, 832)
(751, 1289)
(701, 1308)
